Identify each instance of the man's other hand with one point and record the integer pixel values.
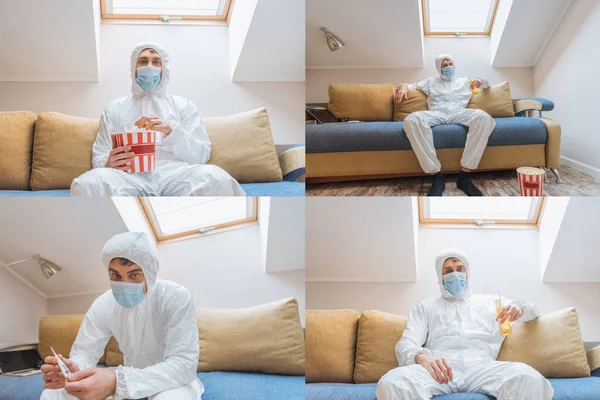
(510, 311)
(438, 367)
(92, 384)
(401, 93)
(154, 123)
(53, 377)
(476, 83)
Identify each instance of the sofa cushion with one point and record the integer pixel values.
(16, 143)
(379, 136)
(114, 356)
(552, 344)
(251, 386)
(267, 338)
(62, 149)
(362, 102)
(242, 144)
(59, 331)
(330, 345)
(378, 333)
(417, 101)
(283, 188)
(495, 101)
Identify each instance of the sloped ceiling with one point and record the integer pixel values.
(528, 28)
(574, 257)
(273, 42)
(336, 249)
(377, 34)
(70, 232)
(49, 40)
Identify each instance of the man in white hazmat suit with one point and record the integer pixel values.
(451, 343)
(154, 322)
(182, 146)
(447, 99)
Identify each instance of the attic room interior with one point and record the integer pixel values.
(535, 51)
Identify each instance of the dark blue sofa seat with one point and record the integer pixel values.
(382, 136)
(217, 385)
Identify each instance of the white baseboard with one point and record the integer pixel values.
(581, 167)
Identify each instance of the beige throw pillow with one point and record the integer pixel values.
(16, 143)
(267, 339)
(362, 102)
(552, 344)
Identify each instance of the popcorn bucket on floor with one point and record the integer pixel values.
(531, 181)
(143, 145)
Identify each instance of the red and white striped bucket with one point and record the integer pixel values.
(531, 181)
(143, 144)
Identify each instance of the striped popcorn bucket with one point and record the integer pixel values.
(143, 145)
(531, 181)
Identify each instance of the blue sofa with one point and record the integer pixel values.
(217, 386)
(344, 151)
(283, 188)
(564, 389)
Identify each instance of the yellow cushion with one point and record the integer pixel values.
(242, 144)
(330, 345)
(62, 149)
(495, 101)
(362, 102)
(59, 331)
(417, 101)
(552, 344)
(114, 356)
(16, 142)
(378, 333)
(267, 339)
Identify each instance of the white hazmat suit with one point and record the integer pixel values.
(447, 99)
(181, 157)
(462, 329)
(158, 337)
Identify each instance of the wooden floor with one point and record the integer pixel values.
(498, 183)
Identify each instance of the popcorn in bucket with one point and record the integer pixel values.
(531, 181)
(143, 145)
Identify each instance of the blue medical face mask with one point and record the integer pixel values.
(448, 71)
(455, 282)
(128, 294)
(148, 77)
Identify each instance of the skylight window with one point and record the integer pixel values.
(177, 217)
(481, 211)
(459, 17)
(166, 10)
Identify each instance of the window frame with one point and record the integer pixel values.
(227, 226)
(425, 7)
(469, 223)
(155, 18)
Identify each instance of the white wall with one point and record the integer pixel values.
(20, 311)
(505, 261)
(472, 56)
(223, 270)
(566, 73)
(200, 71)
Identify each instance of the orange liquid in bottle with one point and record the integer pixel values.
(505, 328)
(474, 91)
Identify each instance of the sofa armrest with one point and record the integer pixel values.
(553, 143)
(293, 163)
(522, 106)
(593, 356)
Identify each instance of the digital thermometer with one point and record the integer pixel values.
(61, 364)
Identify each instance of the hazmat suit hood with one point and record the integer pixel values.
(438, 64)
(439, 263)
(161, 89)
(137, 247)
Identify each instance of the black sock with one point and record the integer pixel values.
(438, 185)
(465, 184)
